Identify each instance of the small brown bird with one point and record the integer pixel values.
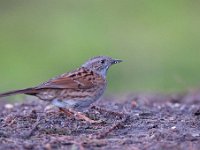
(74, 90)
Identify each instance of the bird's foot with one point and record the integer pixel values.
(67, 112)
(81, 116)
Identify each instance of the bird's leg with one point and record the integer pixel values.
(66, 111)
(81, 116)
(77, 115)
(61, 105)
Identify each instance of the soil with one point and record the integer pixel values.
(138, 121)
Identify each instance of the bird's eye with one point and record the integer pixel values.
(102, 61)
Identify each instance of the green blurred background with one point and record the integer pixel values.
(158, 40)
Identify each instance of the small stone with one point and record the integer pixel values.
(134, 104)
(197, 113)
(10, 119)
(47, 146)
(195, 134)
(176, 105)
(173, 128)
(171, 118)
(8, 106)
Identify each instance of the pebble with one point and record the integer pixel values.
(8, 106)
(173, 128)
(195, 134)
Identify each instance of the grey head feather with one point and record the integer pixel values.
(100, 64)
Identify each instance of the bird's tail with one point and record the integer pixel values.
(30, 91)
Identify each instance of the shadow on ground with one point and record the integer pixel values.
(141, 121)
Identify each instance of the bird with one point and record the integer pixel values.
(75, 90)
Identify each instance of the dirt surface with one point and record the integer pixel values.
(139, 121)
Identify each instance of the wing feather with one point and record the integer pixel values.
(78, 79)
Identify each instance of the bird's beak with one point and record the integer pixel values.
(116, 61)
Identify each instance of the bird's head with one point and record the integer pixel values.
(100, 64)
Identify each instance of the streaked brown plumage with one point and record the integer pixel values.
(74, 90)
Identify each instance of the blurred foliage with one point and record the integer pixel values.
(158, 41)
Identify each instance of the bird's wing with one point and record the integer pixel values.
(79, 79)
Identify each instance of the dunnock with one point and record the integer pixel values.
(74, 90)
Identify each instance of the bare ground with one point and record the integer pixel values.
(139, 121)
